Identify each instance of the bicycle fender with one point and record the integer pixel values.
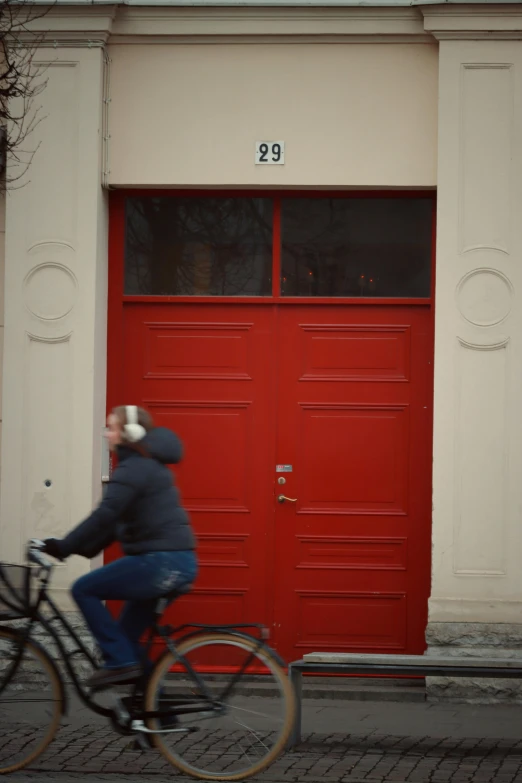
(240, 634)
(282, 663)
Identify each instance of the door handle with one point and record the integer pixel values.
(282, 499)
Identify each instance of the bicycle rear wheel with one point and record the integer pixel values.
(31, 701)
(254, 722)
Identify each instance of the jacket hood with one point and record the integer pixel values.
(163, 445)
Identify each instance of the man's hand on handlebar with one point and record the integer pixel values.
(51, 546)
(38, 549)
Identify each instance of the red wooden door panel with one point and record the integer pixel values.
(354, 422)
(207, 372)
(343, 395)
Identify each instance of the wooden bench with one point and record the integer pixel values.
(375, 665)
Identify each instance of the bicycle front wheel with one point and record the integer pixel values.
(31, 701)
(247, 721)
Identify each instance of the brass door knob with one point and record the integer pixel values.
(282, 499)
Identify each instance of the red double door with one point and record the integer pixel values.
(307, 435)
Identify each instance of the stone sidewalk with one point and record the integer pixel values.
(343, 741)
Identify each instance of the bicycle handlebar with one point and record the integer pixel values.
(35, 554)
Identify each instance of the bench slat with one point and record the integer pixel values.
(412, 660)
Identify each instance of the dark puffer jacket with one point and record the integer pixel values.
(141, 508)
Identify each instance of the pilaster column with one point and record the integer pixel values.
(476, 601)
(56, 302)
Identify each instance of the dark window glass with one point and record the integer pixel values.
(198, 246)
(356, 247)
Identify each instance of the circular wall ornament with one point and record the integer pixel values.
(50, 291)
(484, 297)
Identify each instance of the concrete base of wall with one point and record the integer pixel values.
(474, 640)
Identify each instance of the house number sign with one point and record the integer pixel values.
(270, 152)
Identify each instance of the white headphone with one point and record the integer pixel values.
(133, 431)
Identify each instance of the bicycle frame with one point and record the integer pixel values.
(181, 705)
(165, 632)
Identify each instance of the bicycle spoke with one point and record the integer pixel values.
(244, 725)
(253, 712)
(245, 754)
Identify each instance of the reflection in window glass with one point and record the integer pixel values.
(198, 246)
(356, 247)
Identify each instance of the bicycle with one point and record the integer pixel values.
(198, 679)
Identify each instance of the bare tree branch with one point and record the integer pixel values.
(21, 82)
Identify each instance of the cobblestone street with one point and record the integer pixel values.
(430, 743)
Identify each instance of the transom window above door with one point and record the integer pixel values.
(198, 246)
(349, 246)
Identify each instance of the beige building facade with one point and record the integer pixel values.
(367, 98)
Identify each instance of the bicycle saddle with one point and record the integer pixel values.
(166, 599)
(181, 590)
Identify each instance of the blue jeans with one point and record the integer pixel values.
(140, 580)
